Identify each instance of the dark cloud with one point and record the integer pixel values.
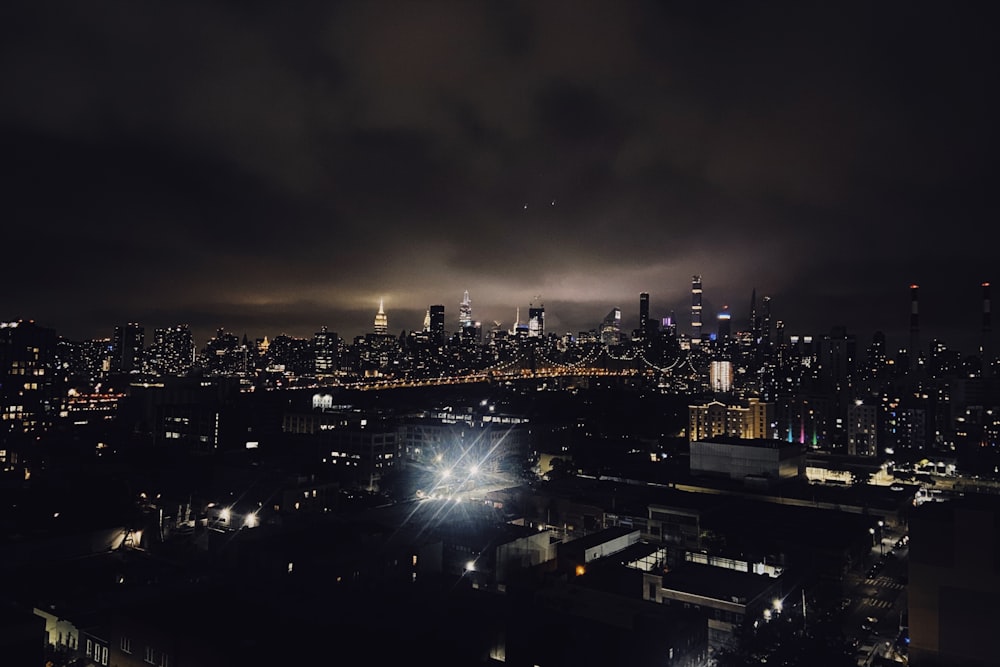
(279, 168)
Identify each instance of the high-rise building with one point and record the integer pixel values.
(725, 329)
(611, 327)
(764, 346)
(644, 327)
(128, 348)
(381, 319)
(520, 328)
(437, 321)
(669, 324)
(172, 351)
(536, 321)
(695, 310)
(720, 374)
(862, 429)
(465, 312)
(27, 394)
(324, 344)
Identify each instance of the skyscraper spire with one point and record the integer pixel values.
(381, 320)
(465, 312)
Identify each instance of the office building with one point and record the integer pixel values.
(696, 311)
(437, 322)
(172, 351)
(128, 345)
(611, 327)
(862, 429)
(324, 344)
(536, 321)
(644, 323)
(725, 325)
(27, 395)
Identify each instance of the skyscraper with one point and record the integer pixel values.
(128, 348)
(725, 329)
(644, 314)
(465, 312)
(171, 352)
(536, 321)
(381, 319)
(437, 321)
(696, 311)
(611, 327)
(324, 344)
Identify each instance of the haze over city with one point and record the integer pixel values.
(271, 169)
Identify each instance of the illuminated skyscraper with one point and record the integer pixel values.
(381, 320)
(172, 351)
(725, 330)
(536, 321)
(611, 333)
(720, 375)
(520, 328)
(696, 310)
(465, 312)
(324, 344)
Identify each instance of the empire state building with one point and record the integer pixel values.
(381, 321)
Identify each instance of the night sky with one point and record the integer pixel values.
(276, 167)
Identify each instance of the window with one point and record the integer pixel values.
(90, 648)
(126, 644)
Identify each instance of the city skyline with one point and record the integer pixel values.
(384, 319)
(271, 169)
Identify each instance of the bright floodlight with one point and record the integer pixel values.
(777, 604)
(250, 521)
(224, 515)
(473, 469)
(470, 566)
(446, 473)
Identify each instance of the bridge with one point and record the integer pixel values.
(680, 373)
